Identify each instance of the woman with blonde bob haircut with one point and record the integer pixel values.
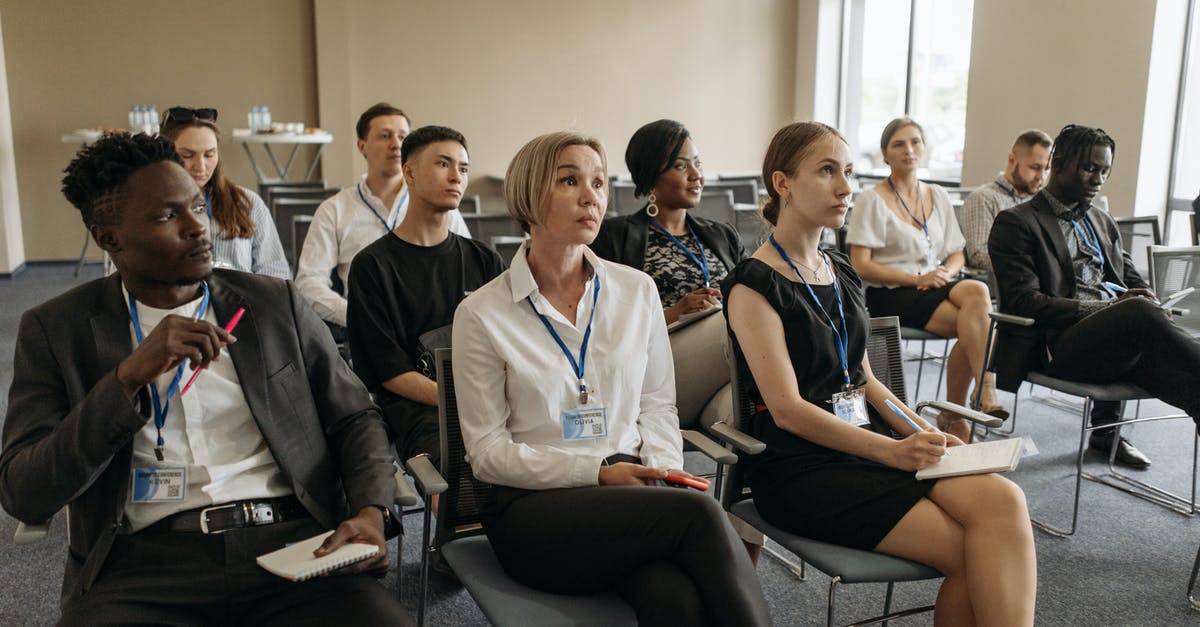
(571, 414)
(800, 343)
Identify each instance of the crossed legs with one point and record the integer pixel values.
(976, 531)
(964, 315)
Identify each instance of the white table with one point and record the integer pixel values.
(295, 140)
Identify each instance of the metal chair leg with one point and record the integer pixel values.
(1191, 590)
(426, 548)
(833, 583)
(1084, 430)
(887, 601)
(942, 371)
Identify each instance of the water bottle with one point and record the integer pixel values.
(266, 119)
(154, 128)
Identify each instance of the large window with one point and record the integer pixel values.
(906, 57)
(1185, 173)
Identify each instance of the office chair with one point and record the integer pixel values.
(1138, 234)
(1173, 269)
(1091, 392)
(843, 565)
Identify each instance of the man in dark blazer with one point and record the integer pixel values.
(1051, 256)
(276, 447)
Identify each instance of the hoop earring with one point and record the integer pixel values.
(651, 207)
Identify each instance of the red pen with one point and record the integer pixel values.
(229, 326)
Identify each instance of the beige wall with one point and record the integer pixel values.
(78, 64)
(725, 69)
(1047, 63)
(12, 241)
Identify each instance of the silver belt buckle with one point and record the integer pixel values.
(204, 518)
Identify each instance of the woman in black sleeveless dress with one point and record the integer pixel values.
(799, 323)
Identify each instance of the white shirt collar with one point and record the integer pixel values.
(521, 280)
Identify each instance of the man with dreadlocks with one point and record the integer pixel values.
(1052, 256)
(275, 442)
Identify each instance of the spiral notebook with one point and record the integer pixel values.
(976, 459)
(296, 561)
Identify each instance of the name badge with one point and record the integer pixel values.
(158, 485)
(851, 407)
(587, 422)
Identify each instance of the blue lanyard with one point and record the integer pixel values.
(1011, 194)
(702, 261)
(160, 408)
(208, 206)
(1088, 237)
(843, 338)
(395, 218)
(576, 366)
(924, 224)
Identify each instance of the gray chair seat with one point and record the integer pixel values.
(852, 565)
(506, 602)
(1098, 391)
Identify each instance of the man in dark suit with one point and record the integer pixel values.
(171, 497)
(1052, 255)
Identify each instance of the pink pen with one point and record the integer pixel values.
(229, 326)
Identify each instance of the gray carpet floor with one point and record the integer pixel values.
(1128, 563)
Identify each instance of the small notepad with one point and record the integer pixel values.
(296, 561)
(976, 459)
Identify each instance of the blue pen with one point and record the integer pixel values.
(900, 412)
(1114, 287)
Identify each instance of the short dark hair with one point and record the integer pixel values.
(377, 110)
(96, 175)
(426, 135)
(1033, 137)
(652, 150)
(1074, 142)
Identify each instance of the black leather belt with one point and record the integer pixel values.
(237, 515)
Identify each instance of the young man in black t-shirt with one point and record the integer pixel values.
(409, 282)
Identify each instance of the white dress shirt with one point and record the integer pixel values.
(341, 227)
(898, 243)
(512, 381)
(210, 432)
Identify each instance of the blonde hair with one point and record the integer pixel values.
(530, 175)
(790, 146)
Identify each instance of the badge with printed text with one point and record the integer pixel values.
(851, 406)
(158, 485)
(588, 421)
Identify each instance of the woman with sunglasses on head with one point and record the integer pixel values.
(799, 339)
(684, 254)
(906, 245)
(571, 414)
(240, 225)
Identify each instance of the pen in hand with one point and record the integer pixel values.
(229, 327)
(1114, 287)
(911, 423)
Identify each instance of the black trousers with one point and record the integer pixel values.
(671, 553)
(170, 578)
(1131, 341)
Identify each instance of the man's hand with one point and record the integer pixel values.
(625, 473)
(365, 528)
(1138, 291)
(175, 339)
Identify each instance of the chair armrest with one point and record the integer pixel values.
(711, 449)
(979, 274)
(954, 408)
(29, 534)
(739, 440)
(1011, 319)
(405, 495)
(429, 481)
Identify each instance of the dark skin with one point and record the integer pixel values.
(159, 244)
(1079, 181)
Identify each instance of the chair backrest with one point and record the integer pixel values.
(469, 204)
(461, 503)
(716, 205)
(268, 189)
(507, 246)
(1173, 269)
(621, 198)
(286, 209)
(744, 191)
(1136, 235)
(485, 226)
(698, 350)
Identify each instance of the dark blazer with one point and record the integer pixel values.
(1036, 279)
(623, 239)
(69, 427)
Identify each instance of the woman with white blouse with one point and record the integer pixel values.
(907, 247)
(569, 411)
(240, 225)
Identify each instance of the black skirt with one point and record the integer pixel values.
(915, 307)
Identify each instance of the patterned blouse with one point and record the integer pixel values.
(675, 274)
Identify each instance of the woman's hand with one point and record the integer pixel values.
(625, 473)
(933, 279)
(698, 300)
(919, 450)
